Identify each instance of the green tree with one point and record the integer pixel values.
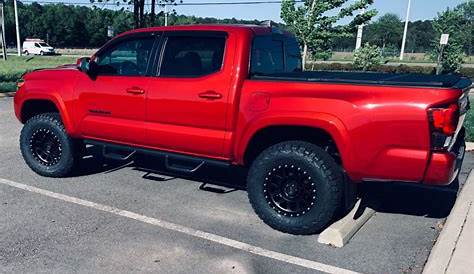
(467, 31)
(316, 28)
(386, 31)
(139, 16)
(450, 22)
(419, 36)
(367, 57)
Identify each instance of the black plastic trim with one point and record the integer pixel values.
(371, 78)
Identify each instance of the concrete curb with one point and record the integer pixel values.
(340, 232)
(7, 94)
(447, 248)
(469, 146)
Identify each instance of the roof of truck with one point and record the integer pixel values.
(257, 29)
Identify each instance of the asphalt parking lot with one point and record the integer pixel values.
(112, 219)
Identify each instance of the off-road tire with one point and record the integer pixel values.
(52, 123)
(326, 178)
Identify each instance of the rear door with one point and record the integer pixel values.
(111, 106)
(188, 100)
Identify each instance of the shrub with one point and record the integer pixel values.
(452, 58)
(367, 57)
(466, 71)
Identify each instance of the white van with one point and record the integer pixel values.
(37, 46)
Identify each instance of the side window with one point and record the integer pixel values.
(126, 58)
(293, 56)
(267, 56)
(192, 56)
(37, 45)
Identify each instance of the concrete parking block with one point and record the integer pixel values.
(469, 146)
(452, 252)
(340, 232)
(7, 94)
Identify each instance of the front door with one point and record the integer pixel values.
(188, 100)
(111, 106)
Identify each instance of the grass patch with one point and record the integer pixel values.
(7, 86)
(12, 69)
(469, 122)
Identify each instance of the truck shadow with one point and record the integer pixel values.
(387, 197)
(410, 199)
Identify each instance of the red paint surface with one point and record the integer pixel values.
(381, 132)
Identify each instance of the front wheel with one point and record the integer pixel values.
(295, 187)
(46, 147)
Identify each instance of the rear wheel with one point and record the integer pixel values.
(26, 52)
(46, 147)
(295, 187)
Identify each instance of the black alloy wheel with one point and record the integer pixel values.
(289, 190)
(295, 187)
(45, 147)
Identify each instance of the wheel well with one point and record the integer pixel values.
(34, 107)
(276, 134)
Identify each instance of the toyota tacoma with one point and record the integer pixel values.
(236, 95)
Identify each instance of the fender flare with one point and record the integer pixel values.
(324, 121)
(57, 100)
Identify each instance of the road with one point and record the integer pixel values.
(107, 219)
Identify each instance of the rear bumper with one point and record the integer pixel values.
(443, 167)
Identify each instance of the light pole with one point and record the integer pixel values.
(2, 32)
(360, 29)
(17, 28)
(402, 51)
(166, 15)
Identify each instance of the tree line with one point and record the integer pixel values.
(423, 35)
(86, 27)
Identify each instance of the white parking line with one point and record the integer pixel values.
(186, 230)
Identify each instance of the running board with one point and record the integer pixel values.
(114, 153)
(173, 161)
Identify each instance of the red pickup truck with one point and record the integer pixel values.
(236, 95)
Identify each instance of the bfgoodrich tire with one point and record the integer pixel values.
(46, 147)
(295, 187)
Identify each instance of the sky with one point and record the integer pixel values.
(420, 9)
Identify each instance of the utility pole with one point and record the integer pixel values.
(15, 5)
(2, 33)
(166, 14)
(360, 29)
(402, 51)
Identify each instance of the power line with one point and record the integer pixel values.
(175, 4)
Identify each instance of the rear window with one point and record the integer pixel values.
(192, 56)
(272, 55)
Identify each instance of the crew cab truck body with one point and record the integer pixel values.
(236, 95)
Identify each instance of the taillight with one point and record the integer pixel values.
(444, 120)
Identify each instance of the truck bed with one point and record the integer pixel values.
(372, 78)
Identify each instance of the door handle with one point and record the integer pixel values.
(135, 90)
(210, 95)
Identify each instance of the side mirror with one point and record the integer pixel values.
(83, 64)
(86, 65)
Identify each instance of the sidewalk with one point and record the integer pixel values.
(453, 251)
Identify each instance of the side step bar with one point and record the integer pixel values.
(173, 161)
